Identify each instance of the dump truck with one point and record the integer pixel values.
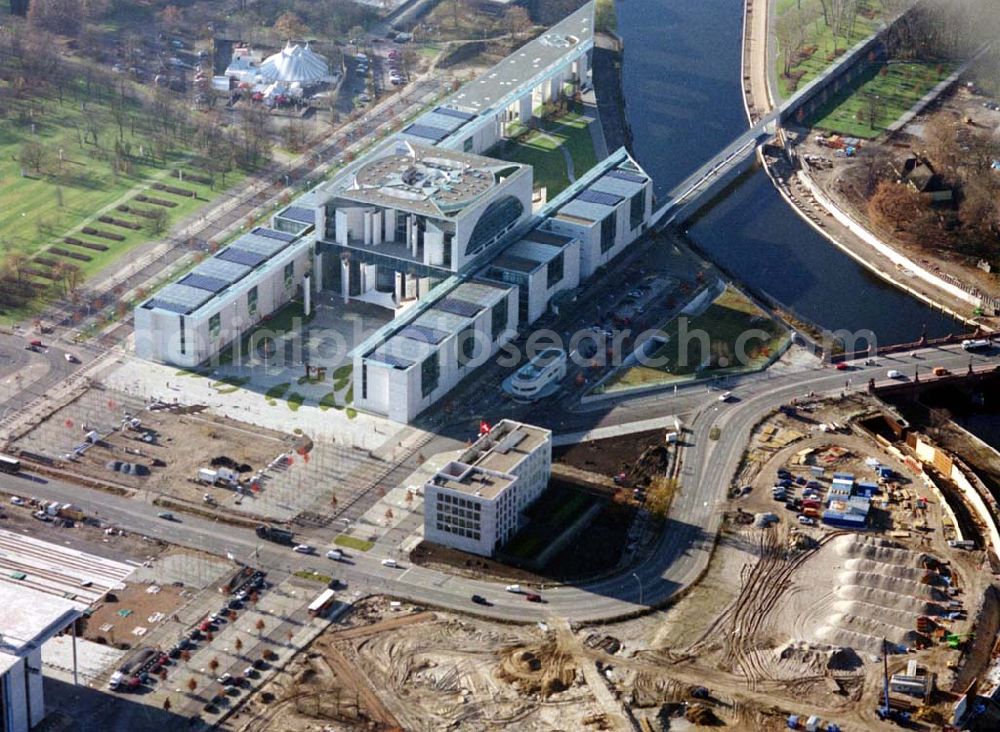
(275, 534)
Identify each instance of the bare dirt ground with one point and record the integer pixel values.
(139, 607)
(845, 179)
(405, 669)
(790, 619)
(180, 442)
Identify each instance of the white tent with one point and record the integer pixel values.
(295, 63)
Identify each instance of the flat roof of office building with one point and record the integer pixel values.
(472, 480)
(212, 277)
(505, 446)
(519, 70)
(437, 124)
(426, 180)
(29, 617)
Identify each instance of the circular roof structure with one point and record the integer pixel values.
(295, 64)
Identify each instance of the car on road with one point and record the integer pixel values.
(166, 516)
(303, 549)
(513, 588)
(532, 597)
(725, 396)
(335, 554)
(842, 366)
(71, 358)
(389, 563)
(895, 374)
(807, 521)
(479, 600)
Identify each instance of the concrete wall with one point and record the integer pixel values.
(487, 520)
(518, 185)
(15, 703)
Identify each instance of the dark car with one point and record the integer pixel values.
(479, 600)
(532, 597)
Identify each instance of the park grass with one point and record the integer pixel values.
(352, 542)
(39, 209)
(898, 86)
(277, 391)
(820, 36)
(556, 509)
(308, 574)
(728, 316)
(542, 150)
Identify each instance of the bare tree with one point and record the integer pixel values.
(32, 156)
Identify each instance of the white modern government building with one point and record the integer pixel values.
(429, 227)
(45, 589)
(474, 503)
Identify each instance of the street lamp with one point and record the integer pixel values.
(639, 580)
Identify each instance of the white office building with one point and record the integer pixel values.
(44, 589)
(474, 503)
(411, 363)
(606, 211)
(191, 320)
(402, 222)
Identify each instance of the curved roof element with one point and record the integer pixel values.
(295, 63)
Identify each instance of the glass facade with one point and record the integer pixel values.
(215, 325)
(252, 300)
(608, 228)
(430, 374)
(289, 275)
(496, 220)
(554, 272)
(637, 209)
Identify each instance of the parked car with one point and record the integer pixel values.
(17, 500)
(806, 521)
(725, 396)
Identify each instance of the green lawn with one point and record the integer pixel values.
(543, 151)
(352, 542)
(729, 316)
(76, 179)
(892, 89)
(820, 48)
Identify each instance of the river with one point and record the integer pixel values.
(681, 79)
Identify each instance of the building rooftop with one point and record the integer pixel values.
(472, 480)
(437, 124)
(215, 275)
(28, 618)
(426, 180)
(58, 570)
(518, 71)
(505, 446)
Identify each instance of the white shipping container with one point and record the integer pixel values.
(207, 475)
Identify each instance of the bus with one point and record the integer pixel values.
(538, 377)
(321, 604)
(9, 464)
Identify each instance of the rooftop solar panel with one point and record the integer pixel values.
(389, 359)
(459, 307)
(241, 256)
(626, 175)
(426, 131)
(203, 282)
(448, 111)
(258, 244)
(213, 267)
(423, 334)
(605, 199)
(273, 234)
(174, 307)
(299, 213)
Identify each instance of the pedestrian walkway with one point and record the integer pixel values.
(671, 422)
(596, 129)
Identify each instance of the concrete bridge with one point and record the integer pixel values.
(701, 186)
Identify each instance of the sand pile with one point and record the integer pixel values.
(815, 659)
(878, 590)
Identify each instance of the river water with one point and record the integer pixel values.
(681, 78)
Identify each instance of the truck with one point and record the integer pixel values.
(976, 344)
(275, 534)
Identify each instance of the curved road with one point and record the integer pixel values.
(680, 555)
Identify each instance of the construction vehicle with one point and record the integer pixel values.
(957, 640)
(886, 711)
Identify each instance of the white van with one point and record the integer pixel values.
(894, 374)
(116, 679)
(516, 589)
(389, 563)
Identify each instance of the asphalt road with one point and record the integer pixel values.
(682, 550)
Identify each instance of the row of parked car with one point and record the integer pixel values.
(143, 668)
(808, 506)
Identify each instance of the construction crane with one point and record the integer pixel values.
(885, 710)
